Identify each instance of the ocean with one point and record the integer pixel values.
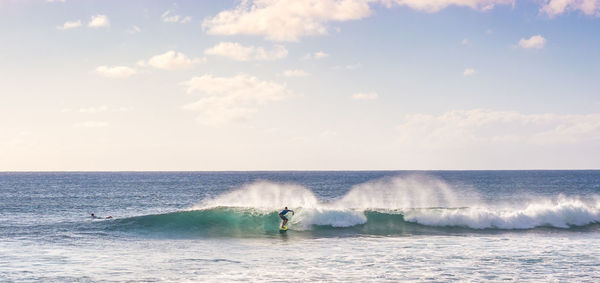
(347, 226)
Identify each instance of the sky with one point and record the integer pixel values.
(299, 85)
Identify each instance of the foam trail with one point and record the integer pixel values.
(562, 212)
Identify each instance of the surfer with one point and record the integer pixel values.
(282, 216)
(96, 217)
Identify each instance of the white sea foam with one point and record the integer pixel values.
(561, 212)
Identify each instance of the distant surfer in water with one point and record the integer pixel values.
(96, 217)
(282, 216)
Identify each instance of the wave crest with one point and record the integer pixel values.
(562, 212)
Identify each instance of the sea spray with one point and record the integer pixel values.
(416, 191)
(264, 195)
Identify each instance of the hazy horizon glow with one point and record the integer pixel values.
(299, 85)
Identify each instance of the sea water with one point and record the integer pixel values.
(347, 226)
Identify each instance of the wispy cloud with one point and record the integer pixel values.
(348, 67)
(134, 30)
(70, 25)
(464, 128)
(556, 7)
(365, 96)
(289, 20)
(286, 20)
(229, 99)
(92, 124)
(469, 72)
(239, 52)
(96, 109)
(317, 55)
(169, 17)
(116, 71)
(170, 60)
(437, 5)
(295, 73)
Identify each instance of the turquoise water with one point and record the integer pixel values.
(378, 226)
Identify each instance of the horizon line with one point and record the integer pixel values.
(283, 170)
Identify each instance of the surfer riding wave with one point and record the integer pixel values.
(282, 216)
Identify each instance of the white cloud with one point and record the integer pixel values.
(328, 134)
(555, 7)
(134, 30)
(365, 96)
(320, 55)
(169, 17)
(285, 20)
(116, 71)
(536, 41)
(99, 21)
(229, 99)
(170, 60)
(316, 55)
(465, 128)
(437, 5)
(70, 25)
(289, 20)
(96, 109)
(353, 66)
(465, 41)
(295, 73)
(93, 109)
(232, 50)
(469, 72)
(92, 124)
(240, 52)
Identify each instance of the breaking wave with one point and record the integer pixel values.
(392, 206)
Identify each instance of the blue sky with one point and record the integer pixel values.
(299, 85)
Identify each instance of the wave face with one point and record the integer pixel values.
(394, 206)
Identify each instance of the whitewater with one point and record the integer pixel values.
(374, 226)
